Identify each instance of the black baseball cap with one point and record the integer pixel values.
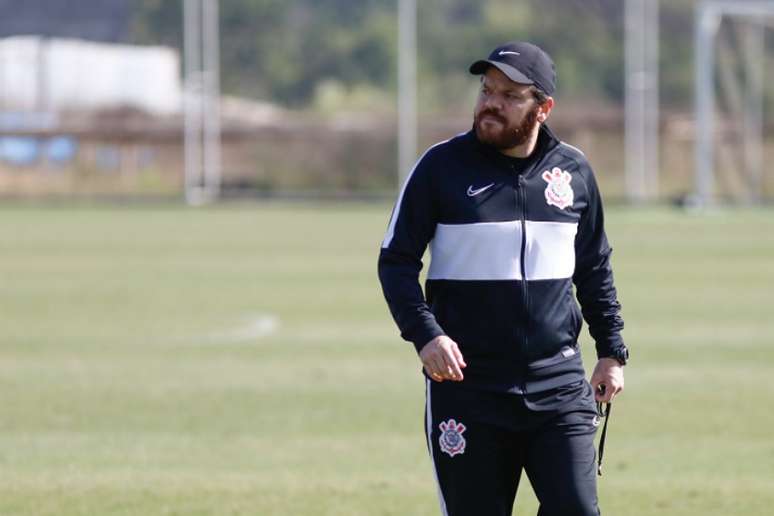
(522, 62)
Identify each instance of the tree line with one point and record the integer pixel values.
(289, 52)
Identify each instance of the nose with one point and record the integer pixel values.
(493, 102)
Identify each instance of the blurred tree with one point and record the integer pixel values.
(677, 56)
(291, 51)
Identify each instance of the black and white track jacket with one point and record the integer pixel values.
(508, 239)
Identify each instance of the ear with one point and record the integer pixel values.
(545, 109)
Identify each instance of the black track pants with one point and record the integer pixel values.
(480, 441)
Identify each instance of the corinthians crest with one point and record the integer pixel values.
(451, 439)
(558, 192)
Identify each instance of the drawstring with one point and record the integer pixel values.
(603, 413)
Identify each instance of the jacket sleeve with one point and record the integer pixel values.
(593, 275)
(411, 227)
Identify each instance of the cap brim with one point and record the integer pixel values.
(479, 68)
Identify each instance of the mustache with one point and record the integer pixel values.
(493, 113)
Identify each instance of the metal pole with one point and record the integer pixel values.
(634, 142)
(754, 50)
(192, 100)
(407, 87)
(707, 21)
(642, 98)
(651, 98)
(211, 100)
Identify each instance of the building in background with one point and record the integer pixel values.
(52, 74)
(85, 117)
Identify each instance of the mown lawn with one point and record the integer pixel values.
(160, 360)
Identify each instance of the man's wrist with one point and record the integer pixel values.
(620, 354)
(423, 341)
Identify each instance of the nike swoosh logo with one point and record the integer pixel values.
(505, 52)
(477, 191)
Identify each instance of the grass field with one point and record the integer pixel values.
(241, 360)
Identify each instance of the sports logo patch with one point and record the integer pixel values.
(451, 439)
(558, 192)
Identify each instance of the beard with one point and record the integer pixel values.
(510, 135)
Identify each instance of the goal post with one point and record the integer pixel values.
(709, 14)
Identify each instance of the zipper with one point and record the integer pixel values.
(521, 187)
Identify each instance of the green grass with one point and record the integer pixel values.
(125, 390)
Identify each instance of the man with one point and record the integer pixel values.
(514, 218)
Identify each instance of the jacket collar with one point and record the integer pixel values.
(546, 141)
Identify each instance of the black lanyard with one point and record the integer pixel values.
(604, 412)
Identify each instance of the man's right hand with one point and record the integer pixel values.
(442, 359)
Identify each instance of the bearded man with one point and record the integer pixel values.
(513, 217)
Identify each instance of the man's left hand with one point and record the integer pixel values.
(609, 373)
